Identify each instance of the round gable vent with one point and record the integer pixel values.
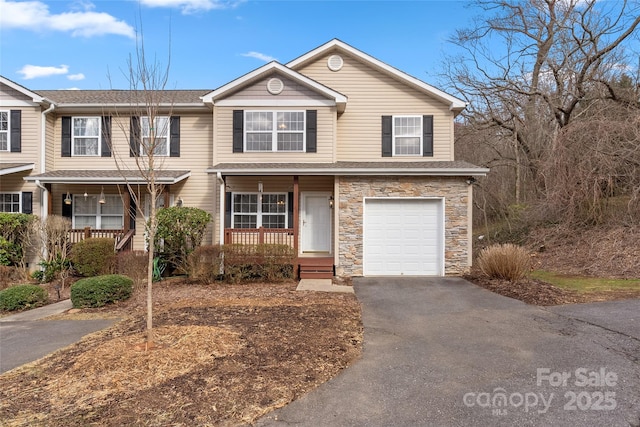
(275, 86)
(335, 62)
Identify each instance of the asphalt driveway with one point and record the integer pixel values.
(443, 352)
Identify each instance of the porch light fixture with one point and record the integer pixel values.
(85, 194)
(331, 202)
(260, 187)
(67, 199)
(102, 200)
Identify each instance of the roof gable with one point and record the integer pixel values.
(454, 103)
(33, 97)
(274, 68)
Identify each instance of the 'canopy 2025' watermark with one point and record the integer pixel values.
(575, 393)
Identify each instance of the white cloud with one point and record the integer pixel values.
(35, 15)
(193, 6)
(258, 55)
(76, 77)
(34, 71)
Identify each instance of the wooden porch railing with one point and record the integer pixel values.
(122, 237)
(259, 236)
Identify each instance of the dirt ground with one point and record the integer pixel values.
(225, 355)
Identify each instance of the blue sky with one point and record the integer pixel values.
(76, 44)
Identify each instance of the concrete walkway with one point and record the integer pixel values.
(443, 352)
(322, 285)
(39, 313)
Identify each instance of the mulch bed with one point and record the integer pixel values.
(223, 355)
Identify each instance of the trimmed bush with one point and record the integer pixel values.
(100, 290)
(22, 297)
(506, 261)
(15, 229)
(94, 256)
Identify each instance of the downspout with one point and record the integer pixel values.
(44, 199)
(222, 207)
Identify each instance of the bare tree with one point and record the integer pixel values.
(531, 68)
(147, 129)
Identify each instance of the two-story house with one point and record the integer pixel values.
(337, 154)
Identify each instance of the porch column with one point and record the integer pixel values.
(126, 207)
(296, 223)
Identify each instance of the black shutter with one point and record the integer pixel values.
(174, 142)
(290, 209)
(238, 131)
(427, 136)
(227, 210)
(387, 135)
(312, 131)
(67, 210)
(16, 131)
(106, 136)
(66, 136)
(27, 202)
(132, 212)
(134, 136)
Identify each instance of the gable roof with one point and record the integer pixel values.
(455, 104)
(259, 73)
(23, 90)
(121, 97)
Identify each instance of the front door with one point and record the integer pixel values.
(316, 222)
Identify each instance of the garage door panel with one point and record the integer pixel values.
(403, 237)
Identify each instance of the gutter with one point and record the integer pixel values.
(44, 198)
(222, 207)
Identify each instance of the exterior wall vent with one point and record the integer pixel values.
(335, 62)
(275, 86)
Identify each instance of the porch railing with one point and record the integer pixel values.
(259, 236)
(79, 234)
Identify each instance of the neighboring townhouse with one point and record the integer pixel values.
(337, 154)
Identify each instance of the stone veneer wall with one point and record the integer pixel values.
(353, 189)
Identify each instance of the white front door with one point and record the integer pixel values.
(316, 222)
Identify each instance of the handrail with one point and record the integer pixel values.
(259, 236)
(125, 241)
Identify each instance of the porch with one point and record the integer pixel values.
(123, 238)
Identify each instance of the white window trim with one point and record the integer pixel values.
(97, 215)
(73, 136)
(8, 131)
(19, 200)
(167, 136)
(275, 131)
(259, 213)
(393, 134)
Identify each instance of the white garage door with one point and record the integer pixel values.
(403, 237)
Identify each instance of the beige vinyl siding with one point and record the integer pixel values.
(223, 140)
(30, 150)
(195, 155)
(50, 154)
(372, 94)
(292, 91)
(9, 94)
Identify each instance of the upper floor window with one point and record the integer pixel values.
(155, 133)
(85, 139)
(274, 130)
(4, 131)
(10, 202)
(407, 135)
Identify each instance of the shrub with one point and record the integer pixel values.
(258, 262)
(11, 275)
(100, 290)
(94, 256)
(204, 264)
(15, 237)
(22, 297)
(133, 264)
(505, 261)
(180, 231)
